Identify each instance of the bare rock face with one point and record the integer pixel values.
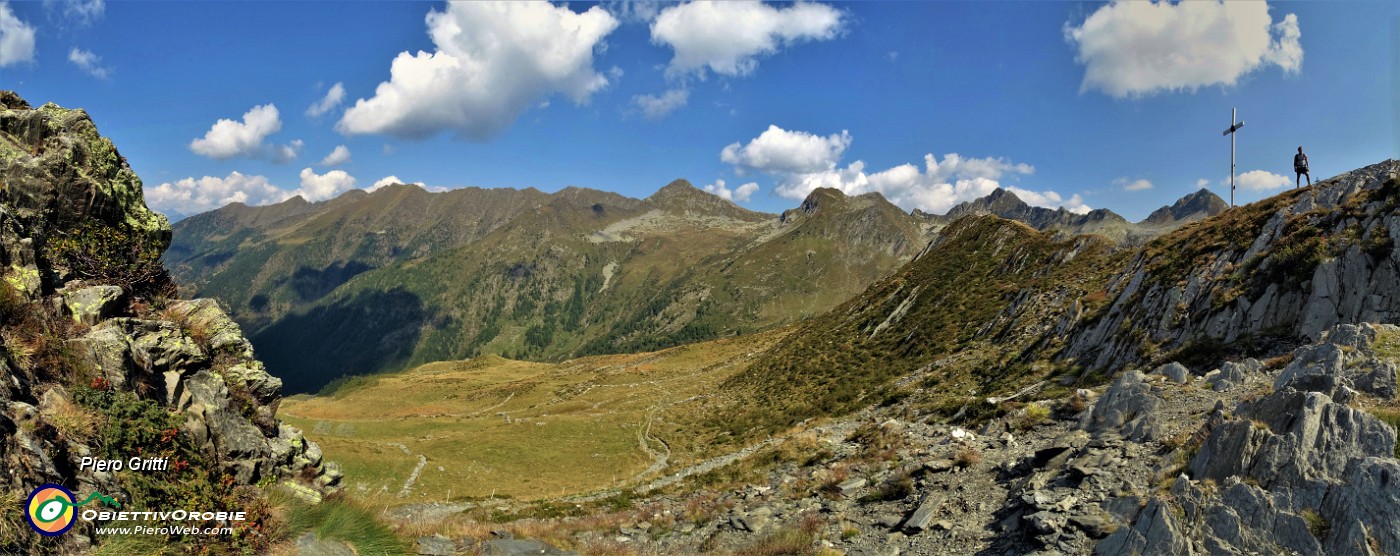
(1349, 356)
(1296, 471)
(92, 369)
(1259, 271)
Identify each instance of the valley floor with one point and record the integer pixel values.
(495, 428)
(1150, 461)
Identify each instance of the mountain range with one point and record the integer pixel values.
(374, 281)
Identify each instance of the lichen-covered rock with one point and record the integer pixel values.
(106, 350)
(1154, 532)
(93, 304)
(59, 171)
(1235, 373)
(1296, 471)
(224, 335)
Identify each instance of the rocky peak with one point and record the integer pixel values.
(819, 200)
(1000, 202)
(1196, 206)
(679, 189)
(681, 197)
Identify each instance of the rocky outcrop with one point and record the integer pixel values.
(1297, 471)
(1261, 277)
(1347, 359)
(1128, 408)
(93, 370)
(60, 174)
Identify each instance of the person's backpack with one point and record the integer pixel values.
(1300, 162)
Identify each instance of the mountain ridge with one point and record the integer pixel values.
(285, 263)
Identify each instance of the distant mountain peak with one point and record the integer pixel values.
(1195, 206)
(1006, 204)
(1001, 202)
(679, 188)
(821, 197)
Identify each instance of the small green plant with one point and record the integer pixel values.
(128, 425)
(1317, 525)
(1033, 415)
(849, 532)
(101, 254)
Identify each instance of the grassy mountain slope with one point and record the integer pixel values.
(581, 272)
(970, 313)
(264, 262)
(993, 305)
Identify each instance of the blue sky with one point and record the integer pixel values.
(1075, 104)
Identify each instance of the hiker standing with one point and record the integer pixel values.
(1300, 167)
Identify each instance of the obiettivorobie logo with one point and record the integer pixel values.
(51, 510)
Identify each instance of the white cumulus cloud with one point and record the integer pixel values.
(492, 61)
(390, 180)
(1202, 183)
(656, 107)
(16, 38)
(193, 195)
(802, 162)
(339, 155)
(741, 194)
(228, 138)
(1133, 49)
(88, 62)
(319, 187)
(1133, 185)
(333, 98)
(778, 150)
(1259, 180)
(728, 38)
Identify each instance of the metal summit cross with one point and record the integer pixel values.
(1234, 126)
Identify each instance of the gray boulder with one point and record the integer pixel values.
(522, 547)
(1233, 374)
(1129, 408)
(1175, 372)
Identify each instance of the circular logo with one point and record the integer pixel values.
(50, 510)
